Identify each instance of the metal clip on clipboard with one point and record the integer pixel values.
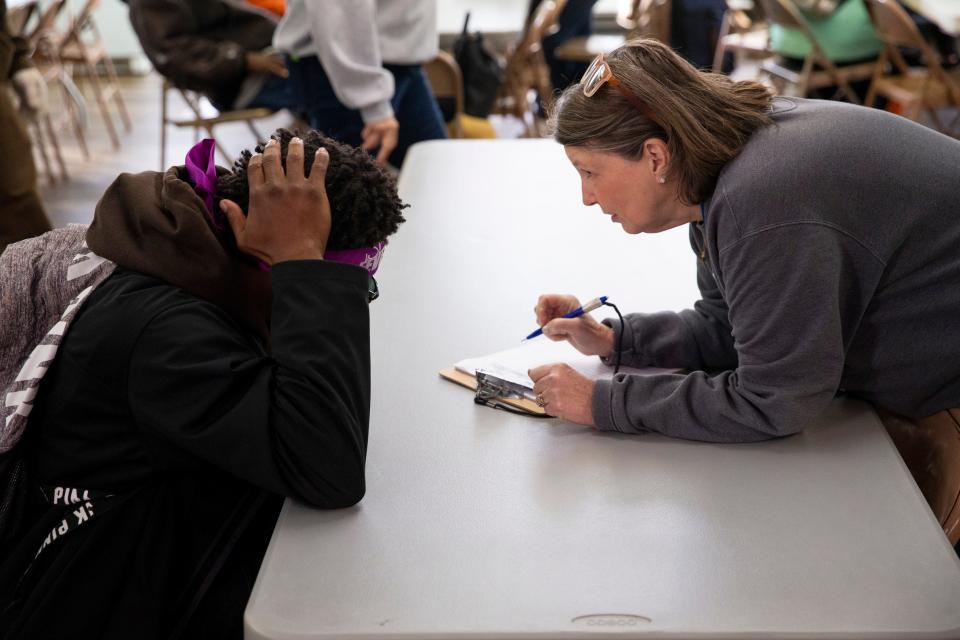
(491, 389)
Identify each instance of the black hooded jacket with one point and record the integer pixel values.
(163, 400)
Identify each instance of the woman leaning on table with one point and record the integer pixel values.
(827, 241)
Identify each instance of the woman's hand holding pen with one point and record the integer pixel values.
(588, 336)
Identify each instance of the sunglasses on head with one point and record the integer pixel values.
(600, 73)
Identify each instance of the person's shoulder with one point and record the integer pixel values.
(129, 300)
(127, 284)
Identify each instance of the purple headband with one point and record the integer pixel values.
(368, 257)
(203, 175)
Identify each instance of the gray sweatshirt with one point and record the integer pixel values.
(831, 263)
(354, 38)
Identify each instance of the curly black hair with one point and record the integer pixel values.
(363, 196)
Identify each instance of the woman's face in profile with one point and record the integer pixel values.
(627, 190)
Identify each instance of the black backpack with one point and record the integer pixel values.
(482, 73)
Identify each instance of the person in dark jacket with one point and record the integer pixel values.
(218, 48)
(21, 211)
(222, 366)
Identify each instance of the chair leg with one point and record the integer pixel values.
(117, 96)
(805, 76)
(51, 134)
(935, 118)
(720, 50)
(848, 91)
(75, 107)
(871, 98)
(259, 137)
(40, 144)
(223, 151)
(102, 103)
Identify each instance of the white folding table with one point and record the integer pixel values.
(482, 524)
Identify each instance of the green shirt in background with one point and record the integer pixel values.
(845, 35)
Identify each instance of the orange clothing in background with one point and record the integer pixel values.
(274, 6)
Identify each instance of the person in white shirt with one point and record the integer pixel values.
(355, 66)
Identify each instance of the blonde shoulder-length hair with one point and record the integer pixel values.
(704, 118)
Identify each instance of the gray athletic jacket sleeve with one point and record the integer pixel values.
(790, 316)
(697, 338)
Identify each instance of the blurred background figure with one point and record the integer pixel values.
(356, 67)
(21, 212)
(694, 27)
(220, 49)
(575, 20)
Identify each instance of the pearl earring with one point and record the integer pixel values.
(662, 180)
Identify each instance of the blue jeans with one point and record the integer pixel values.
(575, 20)
(695, 25)
(275, 94)
(413, 104)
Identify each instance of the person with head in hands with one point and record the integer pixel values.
(214, 360)
(825, 236)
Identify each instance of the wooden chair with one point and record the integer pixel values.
(915, 90)
(45, 136)
(81, 44)
(202, 115)
(645, 18)
(930, 447)
(526, 69)
(639, 18)
(740, 35)
(817, 71)
(445, 78)
(45, 42)
(40, 126)
(18, 16)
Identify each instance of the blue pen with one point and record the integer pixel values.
(596, 303)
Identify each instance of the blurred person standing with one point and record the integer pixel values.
(21, 212)
(355, 66)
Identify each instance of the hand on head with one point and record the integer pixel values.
(382, 134)
(289, 214)
(585, 334)
(266, 63)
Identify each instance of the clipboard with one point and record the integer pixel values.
(470, 382)
(507, 369)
